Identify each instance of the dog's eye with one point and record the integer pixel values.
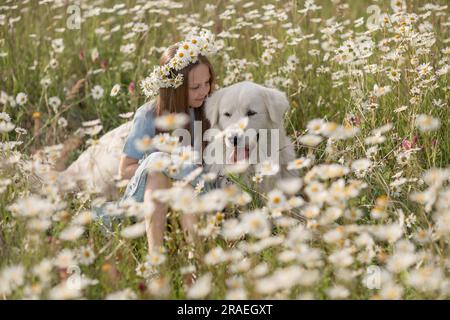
(250, 113)
(227, 114)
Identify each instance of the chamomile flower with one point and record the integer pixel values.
(403, 158)
(311, 211)
(54, 102)
(65, 259)
(144, 144)
(258, 178)
(256, 223)
(299, 163)
(156, 257)
(266, 57)
(71, 233)
(427, 123)
(159, 286)
(381, 91)
(65, 291)
(115, 90)
(97, 92)
(290, 185)
(126, 115)
(267, 168)
(21, 98)
(133, 231)
(43, 270)
(276, 199)
(315, 126)
(171, 121)
(125, 294)
(86, 255)
(315, 190)
(310, 140)
(216, 256)
(13, 275)
(6, 126)
(394, 74)
(201, 287)
(361, 165)
(391, 291)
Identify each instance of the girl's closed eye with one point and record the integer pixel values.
(198, 87)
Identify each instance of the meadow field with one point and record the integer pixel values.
(368, 86)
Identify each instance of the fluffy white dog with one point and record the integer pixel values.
(263, 142)
(97, 167)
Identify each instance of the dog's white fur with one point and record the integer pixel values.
(97, 167)
(267, 107)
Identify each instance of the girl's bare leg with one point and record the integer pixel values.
(156, 223)
(189, 223)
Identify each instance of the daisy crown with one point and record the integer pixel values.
(189, 49)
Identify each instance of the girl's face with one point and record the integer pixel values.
(198, 85)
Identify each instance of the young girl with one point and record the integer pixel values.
(195, 83)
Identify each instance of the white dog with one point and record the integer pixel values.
(264, 109)
(97, 167)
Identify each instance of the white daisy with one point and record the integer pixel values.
(201, 287)
(315, 126)
(256, 223)
(276, 199)
(290, 185)
(427, 123)
(310, 140)
(86, 255)
(97, 92)
(381, 91)
(21, 98)
(267, 168)
(54, 102)
(126, 115)
(133, 231)
(144, 144)
(299, 163)
(171, 121)
(115, 90)
(361, 164)
(71, 233)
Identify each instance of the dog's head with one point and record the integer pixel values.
(264, 108)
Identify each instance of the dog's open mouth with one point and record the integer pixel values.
(240, 154)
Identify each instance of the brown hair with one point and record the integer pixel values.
(175, 100)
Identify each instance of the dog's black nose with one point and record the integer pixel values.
(235, 141)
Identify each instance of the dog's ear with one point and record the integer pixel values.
(212, 107)
(276, 103)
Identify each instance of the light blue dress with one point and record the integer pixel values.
(144, 125)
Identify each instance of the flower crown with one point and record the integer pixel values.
(188, 51)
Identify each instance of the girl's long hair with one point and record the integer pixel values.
(176, 100)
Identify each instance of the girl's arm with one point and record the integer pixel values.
(143, 125)
(127, 166)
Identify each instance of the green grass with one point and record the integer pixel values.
(311, 95)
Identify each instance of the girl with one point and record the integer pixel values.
(195, 83)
